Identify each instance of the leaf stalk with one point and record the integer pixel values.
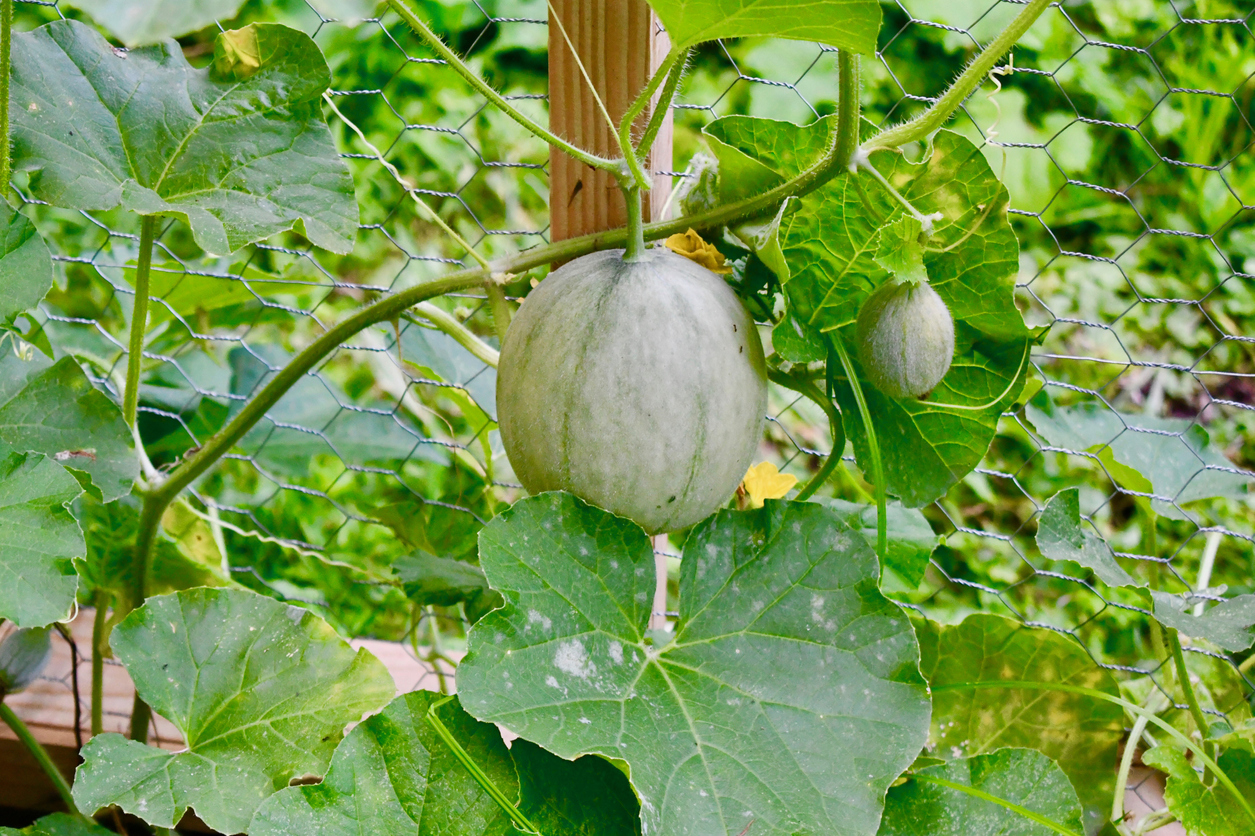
(849, 90)
(139, 319)
(446, 322)
(931, 120)
(101, 603)
(1187, 688)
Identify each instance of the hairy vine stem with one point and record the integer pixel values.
(158, 496)
(932, 119)
(849, 88)
(646, 143)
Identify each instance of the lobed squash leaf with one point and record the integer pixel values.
(238, 156)
(789, 694)
(260, 690)
(1062, 535)
(1207, 809)
(25, 264)
(392, 775)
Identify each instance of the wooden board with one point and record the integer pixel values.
(48, 708)
(620, 43)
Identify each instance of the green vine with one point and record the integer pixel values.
(139, 318)
(931, 120)
(158, 495)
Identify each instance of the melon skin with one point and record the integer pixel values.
(640, 387)
(906, 339)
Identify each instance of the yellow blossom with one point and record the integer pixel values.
(763, 481)
(691, 246)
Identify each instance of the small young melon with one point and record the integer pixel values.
(638, 386)
(906, 338)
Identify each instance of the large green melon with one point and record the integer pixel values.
(638, 386)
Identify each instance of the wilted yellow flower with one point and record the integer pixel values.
(763, 481)
(691, 246)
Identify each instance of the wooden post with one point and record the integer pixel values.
(620, 44)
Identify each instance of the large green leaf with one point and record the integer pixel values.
(789, 694)
(832, 245)
(1022, 777)
(240, 152)
(588, 796)
(137, 22)
(1229, 624)
(39, 538)
(59, 824)
(1207, 809)
(260, 690)
(1061, 535)
(849, 24)
(25, 264)
(393, 776)
(52, 408)
(1174, 455)
(970, 718)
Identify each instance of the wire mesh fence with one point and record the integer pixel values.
(1123, 132)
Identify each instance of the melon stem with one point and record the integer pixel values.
(635, 245)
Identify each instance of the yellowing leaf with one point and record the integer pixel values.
(238, 54)
(690, 245)
(763, 482)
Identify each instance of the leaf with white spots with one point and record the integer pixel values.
(260, 690)
(789, 695)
